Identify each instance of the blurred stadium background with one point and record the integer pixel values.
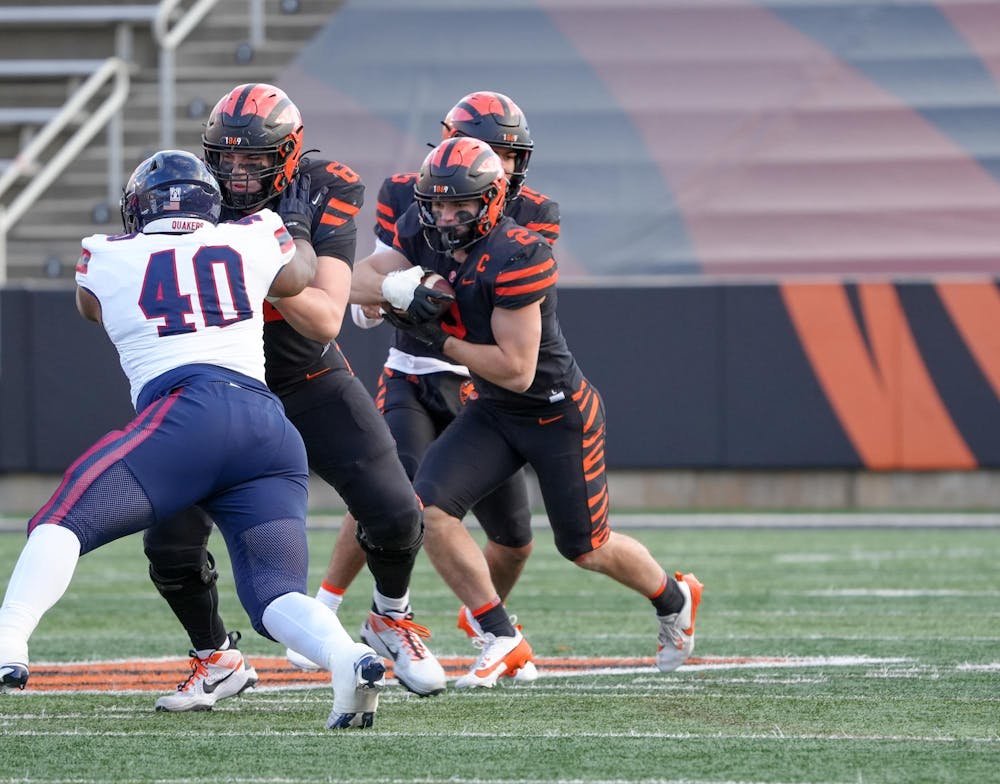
(780, 242)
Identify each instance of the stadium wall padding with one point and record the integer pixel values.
(747, 137)
(877, 375)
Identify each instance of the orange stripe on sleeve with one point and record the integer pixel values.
(526, 288)
(527, 272)
(342, 206)
(551, 228)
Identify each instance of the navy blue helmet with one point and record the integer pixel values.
(168, 185)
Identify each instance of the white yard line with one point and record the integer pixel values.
(492, 734)
(700, 520)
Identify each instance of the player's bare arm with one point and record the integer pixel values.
(294, 276)
(318, 311)
(511, 363)
(88, 305)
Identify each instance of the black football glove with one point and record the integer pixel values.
(428, 304)
(427, 332)
(295, 208)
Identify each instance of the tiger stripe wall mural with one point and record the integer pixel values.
(780, 222)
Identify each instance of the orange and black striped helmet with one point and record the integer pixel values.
(460, 169)
(498, 121)
(254, 119)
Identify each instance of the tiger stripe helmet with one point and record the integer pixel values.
(460, 169)
(497, 120)
(254, 119)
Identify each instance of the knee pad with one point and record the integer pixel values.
(387, 536)
(184, 574)
(513, 538)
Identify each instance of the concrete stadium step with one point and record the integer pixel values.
(45, 242)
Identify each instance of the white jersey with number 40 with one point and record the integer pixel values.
(175, 299)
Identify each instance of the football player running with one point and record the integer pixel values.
(253, 143)
(534, 405)
(181, 299)
(420, 391)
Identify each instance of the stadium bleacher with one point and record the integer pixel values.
(50, 49)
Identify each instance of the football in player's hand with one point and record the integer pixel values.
(434, 281)
(431, 299)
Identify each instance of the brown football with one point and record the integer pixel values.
(434, 281)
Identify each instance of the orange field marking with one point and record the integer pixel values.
(164, 674)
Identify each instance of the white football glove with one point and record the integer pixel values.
(361, 320)
(398, 286)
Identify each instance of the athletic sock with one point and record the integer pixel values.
(669, 599)
(390, 605)
(331, 595)
(204, 653)
(494, 620)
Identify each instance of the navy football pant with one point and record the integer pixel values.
(228, 448)
(350, 447)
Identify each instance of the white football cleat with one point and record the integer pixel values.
(399, 639)
(223, 674)
(500, 656)
(528, 673)
(467, 622)
(357, 677)
(252, 677)
(675, 642)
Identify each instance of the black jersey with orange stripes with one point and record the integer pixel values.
(535, 211)
(511, 267)
(337, 193)
(395, 195)
(530, 209)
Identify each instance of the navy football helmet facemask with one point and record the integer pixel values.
(168, 185)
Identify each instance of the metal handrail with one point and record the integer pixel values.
(169, 39)
(110, 112)
(113, 68)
